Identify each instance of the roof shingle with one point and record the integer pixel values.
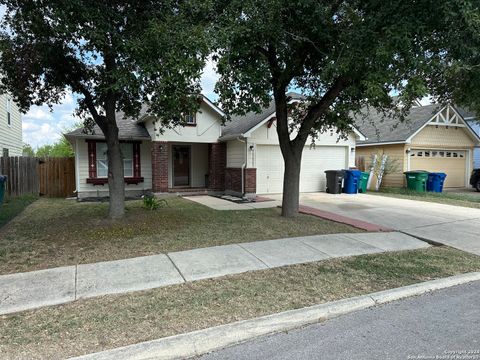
(380, 128)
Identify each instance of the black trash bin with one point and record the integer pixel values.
(334, 181)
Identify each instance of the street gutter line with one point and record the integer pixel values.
(200, 342)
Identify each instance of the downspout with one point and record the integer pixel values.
(244, 165)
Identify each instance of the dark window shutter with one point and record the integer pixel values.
(92, 159)
(136, 160)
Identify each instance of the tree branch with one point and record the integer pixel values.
(318, 109)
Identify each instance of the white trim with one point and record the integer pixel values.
(468, 170)
(443, 124)
(409, 153)
(260, 124)
(382, 143)
(361, 137)
(206, 100)
(409, 139)
(213, 106)
(438, 114)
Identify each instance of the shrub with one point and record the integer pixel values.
(152, 203)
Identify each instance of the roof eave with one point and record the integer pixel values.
(380, 143)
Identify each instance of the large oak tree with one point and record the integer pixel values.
(114, 55)
(342, 55)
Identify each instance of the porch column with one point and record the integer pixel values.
(250, 181)
(217, 161)
(160, 166)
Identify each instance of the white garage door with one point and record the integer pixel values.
(451, 162)
(315, 161)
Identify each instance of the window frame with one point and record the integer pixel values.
(190, 123)
(9, 111)
(93, 177)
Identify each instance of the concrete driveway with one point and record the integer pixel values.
(455, 226)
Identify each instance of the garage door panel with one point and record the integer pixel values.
(454, 167)
(270, 167)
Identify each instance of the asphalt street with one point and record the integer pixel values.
(440, 325)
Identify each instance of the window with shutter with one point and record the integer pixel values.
(98, 162)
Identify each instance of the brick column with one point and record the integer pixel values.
(250, 181)
(160, 166)
(217, 160)
(233, 180)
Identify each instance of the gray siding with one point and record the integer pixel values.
(10, 135)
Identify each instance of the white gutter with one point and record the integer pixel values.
(382, 143)
(244, 165)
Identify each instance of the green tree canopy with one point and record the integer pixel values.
(27, 150)
(455, 53)
(114, 55)
(341, 55)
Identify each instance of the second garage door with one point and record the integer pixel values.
(453, 163)
(315, 161)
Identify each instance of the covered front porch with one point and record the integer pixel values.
(187, 168)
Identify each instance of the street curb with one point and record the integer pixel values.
(204, 341)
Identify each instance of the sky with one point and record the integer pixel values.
(42, 126)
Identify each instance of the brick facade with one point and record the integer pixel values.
(217, 161)
(250, 181)
(233, 180)
(160, 166)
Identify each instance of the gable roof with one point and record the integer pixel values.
(144, 116)
(379, 128)
(128, 129)
(240, 125)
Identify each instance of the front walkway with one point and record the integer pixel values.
(222, 204)
(35, 289)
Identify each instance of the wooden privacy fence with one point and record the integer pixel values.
(22, 175)
(51, 177)
(57, 176)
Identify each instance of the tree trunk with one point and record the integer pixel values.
(116, 182)
(291, 183)
(292, 157)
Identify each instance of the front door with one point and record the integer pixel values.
(181, 165)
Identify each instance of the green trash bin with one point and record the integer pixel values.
(3, 182)
(417, 180)
(362, 185)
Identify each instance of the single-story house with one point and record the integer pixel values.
(432, 138)
(203, 156)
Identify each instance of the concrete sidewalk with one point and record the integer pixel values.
(35, 289)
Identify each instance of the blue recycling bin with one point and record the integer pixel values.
(435, 182)
(351, 181)
(3, 182)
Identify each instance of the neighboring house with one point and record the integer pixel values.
(241, 158)
(433, 138)
(11, 143)
(474, 121)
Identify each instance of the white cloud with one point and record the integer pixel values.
(39, 113)
(42, 126)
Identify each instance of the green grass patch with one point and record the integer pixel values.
(460, 198)
(112, 321)
(14, 206)
(57, 232)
